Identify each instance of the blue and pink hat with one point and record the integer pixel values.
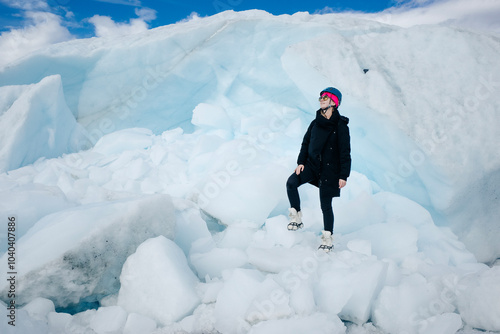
(332, 93)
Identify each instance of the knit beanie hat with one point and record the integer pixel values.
(332, 93)
(333, 97)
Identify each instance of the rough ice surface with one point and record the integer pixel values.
(156, 281)
(78, 253)
(147, 177)
(35, 122)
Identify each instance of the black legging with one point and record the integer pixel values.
(292, 185)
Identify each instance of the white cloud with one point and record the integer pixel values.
(43, 27)
(43, 30)
(106, 27)
(191, 17)
(146, 14)
(29, 5)
(326, 10)
(478, 14)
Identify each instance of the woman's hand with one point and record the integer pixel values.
(342, 183)
(299, 169)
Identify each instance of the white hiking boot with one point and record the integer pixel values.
(295, 220)
(327, 241)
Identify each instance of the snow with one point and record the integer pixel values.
(318, 323)
(109, 319)
(147, 177)
(137, 323)
(58, 322)
(472, 302)
(39, 308)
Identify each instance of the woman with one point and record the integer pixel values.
(324, 161)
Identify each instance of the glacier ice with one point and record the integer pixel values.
(78, 253)
(37, 123)
(156, 281)
(189, 131)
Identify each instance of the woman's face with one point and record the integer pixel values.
(325, 103)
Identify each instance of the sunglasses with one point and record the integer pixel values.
(323, 98)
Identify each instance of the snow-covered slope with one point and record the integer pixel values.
(211, 112)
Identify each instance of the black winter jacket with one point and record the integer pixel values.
(326, 149)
